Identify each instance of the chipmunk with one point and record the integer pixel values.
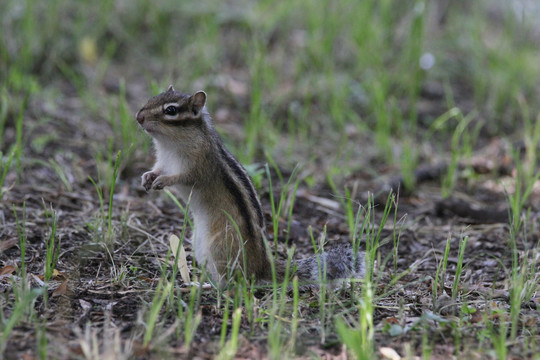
(227, 214)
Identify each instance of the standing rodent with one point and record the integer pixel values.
(227, 215)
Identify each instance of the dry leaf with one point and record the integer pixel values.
(391, 320)
(38, 279)
(85, 305)
(61, 290)
(6, 244)
(7, 270)
(58, 275)
(477, 317)
(389, 353)
(181, 260)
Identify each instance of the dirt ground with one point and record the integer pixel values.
(100, 289)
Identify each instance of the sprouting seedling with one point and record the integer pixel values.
(5, 167)
(53, 246)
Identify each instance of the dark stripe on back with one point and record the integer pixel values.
(239, 199)
(246, 183)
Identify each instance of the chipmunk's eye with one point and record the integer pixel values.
(171, 110)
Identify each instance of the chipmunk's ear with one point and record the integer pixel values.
(197, 102)
(170, 88)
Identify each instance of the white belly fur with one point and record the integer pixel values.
(201, 223)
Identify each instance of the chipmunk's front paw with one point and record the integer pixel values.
(148, 179)
(161, 181)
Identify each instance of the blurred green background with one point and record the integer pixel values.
(291, 79)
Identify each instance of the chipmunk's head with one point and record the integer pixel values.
(172, 115)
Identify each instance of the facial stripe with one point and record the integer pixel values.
(184, 122)
(175, 104)
(182, 114)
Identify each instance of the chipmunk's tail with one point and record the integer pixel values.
(339, 262)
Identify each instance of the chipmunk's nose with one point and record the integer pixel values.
(140, 117)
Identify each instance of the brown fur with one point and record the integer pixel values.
(229, 227)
